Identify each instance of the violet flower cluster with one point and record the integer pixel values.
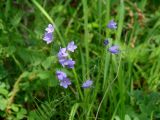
(63, 55)
(65, 61)
(64, 81)
(115, 48)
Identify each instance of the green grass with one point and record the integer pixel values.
(125, 86)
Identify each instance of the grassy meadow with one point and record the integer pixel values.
(125, 81)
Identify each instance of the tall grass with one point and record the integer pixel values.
(125, 85)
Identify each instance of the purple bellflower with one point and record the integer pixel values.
(87, 84)
(71, 46)
(61, 75)
(106, 42)
(112, 25)
(114, 49)
(48, 37)
(63, 62)
(50, 28)
(65, 82)
(62, 53)
(67, 62)
(70, 63)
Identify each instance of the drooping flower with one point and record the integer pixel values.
(67, 62)
(71, 46)
(70, 63)
(112, 25)
(87, 84)
(50, 28)
(48, 37)
(62, 53)
(61, 75)
(62, 61)
(65, 82)
(114, 49)
(106, 42)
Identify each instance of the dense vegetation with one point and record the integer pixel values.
(126, 84)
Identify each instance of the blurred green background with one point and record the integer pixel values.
(126, 86)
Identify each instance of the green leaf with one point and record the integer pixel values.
(127, 117)
(48, 75)
(117, 118)
(48, 62)
(10, 50)
(73, 111)
(30, 56)
(44, 75)
(17, 18)
(3, 91)
(15, 108)
(3, 72)
(21, 114)
(3, 104)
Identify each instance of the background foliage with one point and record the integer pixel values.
(128, 83)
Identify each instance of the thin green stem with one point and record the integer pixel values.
(100, 19)
(17, 62)
(77, 82)
(107, 15)
(115, 111)
(71, 20)
(107, 57)
(13, 93)
(61, 39)
(109, 86)
(120, 20)
(86, 35)
(49, 19)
